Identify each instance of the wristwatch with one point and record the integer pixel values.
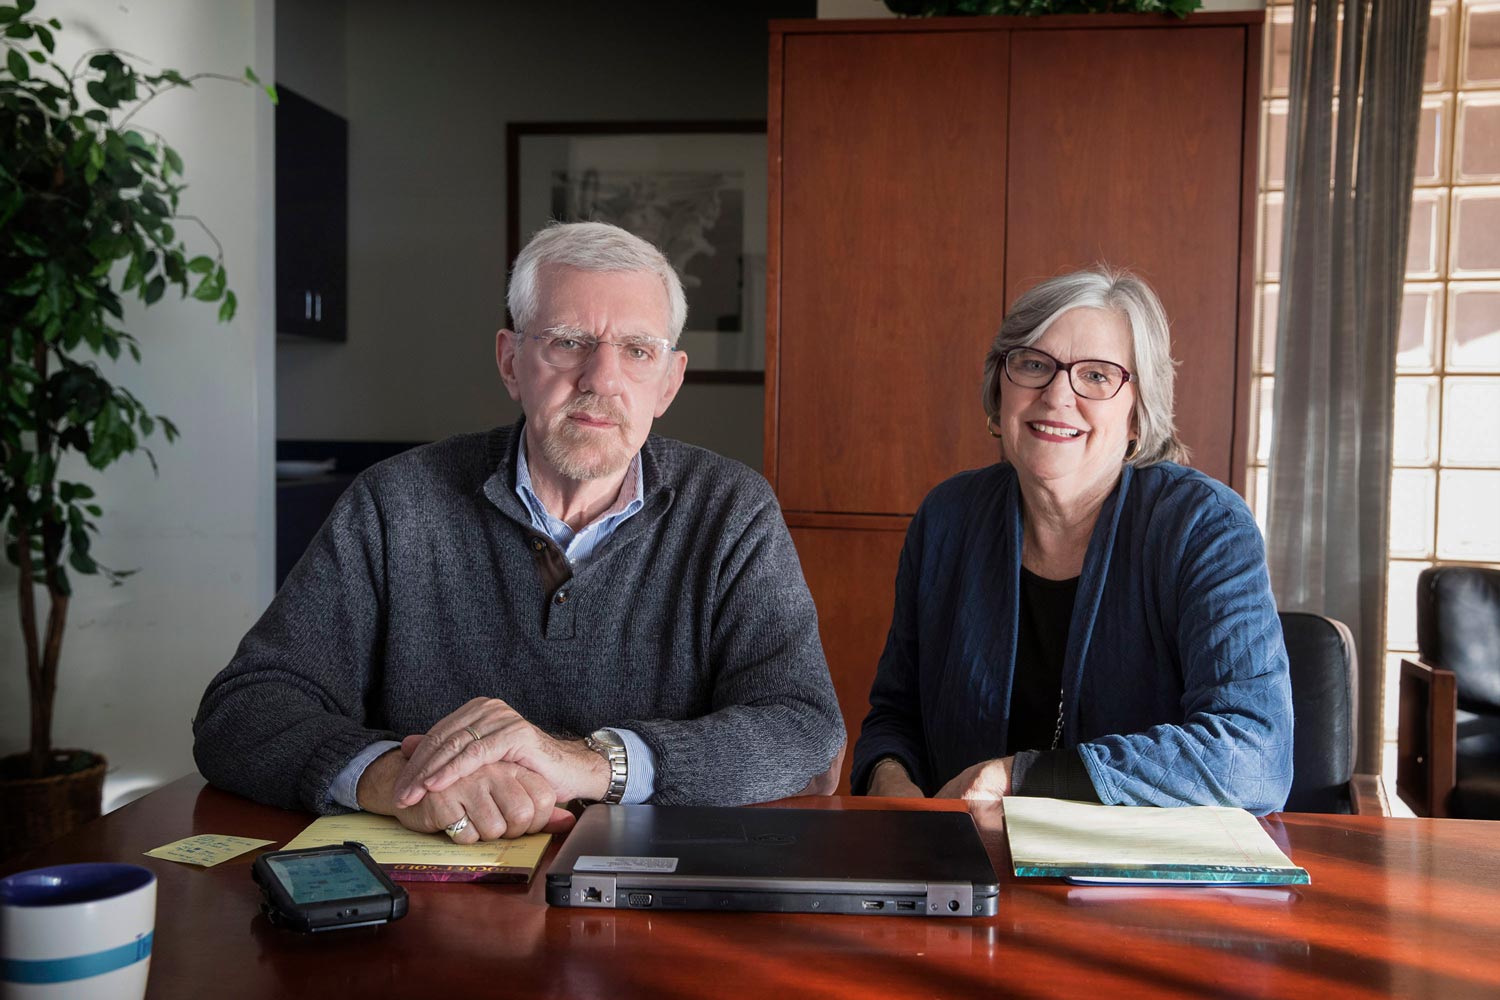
(607, 744)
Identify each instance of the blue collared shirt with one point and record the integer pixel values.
(581, 545)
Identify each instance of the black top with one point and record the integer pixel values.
(1041, 645)
(1036, 693)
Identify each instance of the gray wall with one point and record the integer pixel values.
(428, 97)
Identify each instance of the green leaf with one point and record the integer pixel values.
(154, 289)
(172, 162)
(271, 93)
(101, 94)
(46, 38)
(17, 64)
(208, 290)
(250, 75)
(25, 6)
(201, 265)
(226, 311)
(82, 562)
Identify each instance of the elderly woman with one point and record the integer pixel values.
(1086, 619)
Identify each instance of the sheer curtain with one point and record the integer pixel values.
(1350, 160)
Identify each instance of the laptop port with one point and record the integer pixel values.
(640, 899)
(874, 904)
(906, 904)
(591, 894)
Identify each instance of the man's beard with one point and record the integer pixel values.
(581, 453)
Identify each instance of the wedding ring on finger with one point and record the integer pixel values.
(474, 733)
(457, 826)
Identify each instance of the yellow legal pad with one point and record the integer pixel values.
(1088, 842)
(428, 857)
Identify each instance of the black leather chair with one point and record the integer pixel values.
(1448, 756)
(1325, 687)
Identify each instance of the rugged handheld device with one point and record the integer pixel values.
(325, 888)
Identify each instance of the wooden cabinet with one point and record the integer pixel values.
(312, 219)
(922, 175)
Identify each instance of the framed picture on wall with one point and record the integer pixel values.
(697, 190)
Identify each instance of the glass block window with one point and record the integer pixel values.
(1445, 483)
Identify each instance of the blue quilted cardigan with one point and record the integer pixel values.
(1175, 679)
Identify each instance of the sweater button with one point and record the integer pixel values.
(562, 597)
(538, 544)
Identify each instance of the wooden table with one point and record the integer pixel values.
(1397, 907)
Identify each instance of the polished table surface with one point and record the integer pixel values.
(1397, 907)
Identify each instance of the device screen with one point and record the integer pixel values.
(314, 878)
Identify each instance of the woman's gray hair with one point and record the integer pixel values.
(590, 246)
(1130, 298)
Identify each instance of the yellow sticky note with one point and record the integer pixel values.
(206, 849)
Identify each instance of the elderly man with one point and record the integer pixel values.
(569, 607)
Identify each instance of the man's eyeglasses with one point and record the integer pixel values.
(1091, 379)
(640, 357)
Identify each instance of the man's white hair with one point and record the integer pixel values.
(590, 246)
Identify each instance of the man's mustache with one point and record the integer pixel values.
(596, 407)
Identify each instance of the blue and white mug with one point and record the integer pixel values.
(77, 931)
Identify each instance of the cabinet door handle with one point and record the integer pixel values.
(318, 307)
(307, 308)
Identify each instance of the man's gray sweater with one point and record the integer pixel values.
(693, 628)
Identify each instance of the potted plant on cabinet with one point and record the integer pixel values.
(1032, 8)
(88, 214)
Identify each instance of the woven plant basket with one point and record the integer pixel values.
(36, 811)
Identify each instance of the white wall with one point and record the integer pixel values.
(428, 97)
(136, 658)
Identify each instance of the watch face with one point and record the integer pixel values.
(604, 739)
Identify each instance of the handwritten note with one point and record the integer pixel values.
(390, 843)
(207, 849)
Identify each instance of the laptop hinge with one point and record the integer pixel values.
(950, 899)
(590, 889)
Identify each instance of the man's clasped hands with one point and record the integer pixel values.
(486, 763)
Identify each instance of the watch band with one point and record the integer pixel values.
(608, 745)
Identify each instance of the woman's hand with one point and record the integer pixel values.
(890, 779)
(987, 781)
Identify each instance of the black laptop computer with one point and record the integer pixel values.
(888, 863)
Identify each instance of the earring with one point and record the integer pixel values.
(989, 425)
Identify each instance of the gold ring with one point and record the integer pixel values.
(474, 733)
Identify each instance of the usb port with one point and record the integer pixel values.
(906, 904)
(874, 904)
